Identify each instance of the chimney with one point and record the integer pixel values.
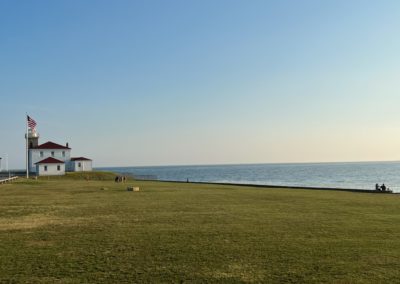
(67, 145)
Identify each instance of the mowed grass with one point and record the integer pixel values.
(68, 230)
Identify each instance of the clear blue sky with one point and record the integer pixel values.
(203, 82)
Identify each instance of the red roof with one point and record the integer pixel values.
(80, 159)
(50, 160)
(51, 145)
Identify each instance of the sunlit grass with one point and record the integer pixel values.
(69, 230)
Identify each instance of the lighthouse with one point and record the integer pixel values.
(33, 138)
(50, 158)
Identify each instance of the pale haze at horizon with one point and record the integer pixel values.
(131, 83)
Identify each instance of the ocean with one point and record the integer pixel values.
(358, 175)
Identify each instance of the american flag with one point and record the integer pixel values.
(31, 122)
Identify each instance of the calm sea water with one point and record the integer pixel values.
(340, 175)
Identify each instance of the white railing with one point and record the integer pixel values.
(7, 180)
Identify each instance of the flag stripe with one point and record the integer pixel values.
(31, 122)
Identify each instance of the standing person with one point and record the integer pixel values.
(377, 187)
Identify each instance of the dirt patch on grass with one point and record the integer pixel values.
(40, 243)
(241, 272)
(34, 221)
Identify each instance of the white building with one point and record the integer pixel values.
(80, 164)
(49, 149)
(50, 167)
(53, 159)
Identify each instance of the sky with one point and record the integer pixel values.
(155, 82)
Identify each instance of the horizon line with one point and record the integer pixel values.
(244, 164)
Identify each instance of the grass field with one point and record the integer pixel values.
(68, 230)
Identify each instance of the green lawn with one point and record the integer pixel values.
(68, 230)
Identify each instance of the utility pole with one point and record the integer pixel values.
(7, 169)
(0, 165)
(26, 148)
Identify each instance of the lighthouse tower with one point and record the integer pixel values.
(33, 142)
(33, 138)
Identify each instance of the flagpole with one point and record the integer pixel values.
(27, 154)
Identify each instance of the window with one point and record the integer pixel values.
(58, 168)
(63, 153)
(45, 168)
(52, 153)
(79, 165)
(41, 154)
